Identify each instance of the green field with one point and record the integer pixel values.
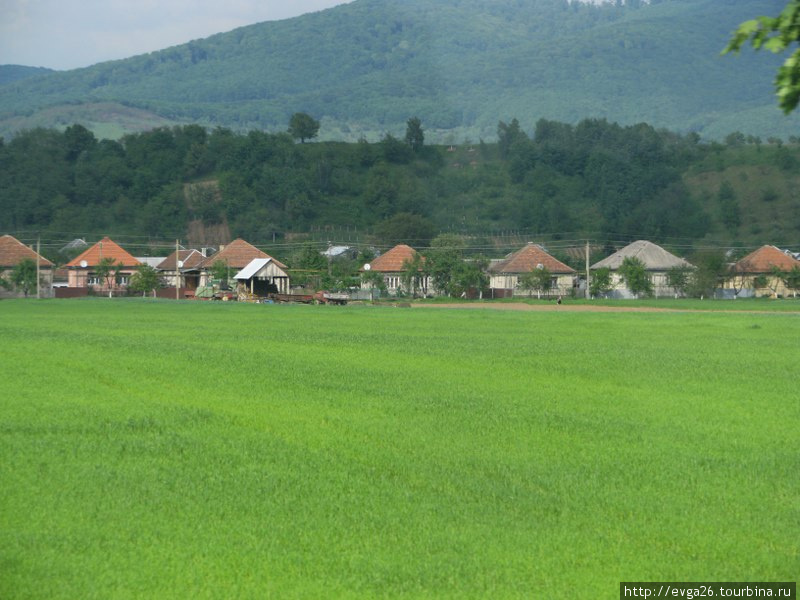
(215, 450)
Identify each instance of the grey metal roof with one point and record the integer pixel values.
(654, 257)
(253, 267)
(150, 261)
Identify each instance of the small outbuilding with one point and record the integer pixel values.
(263, 276)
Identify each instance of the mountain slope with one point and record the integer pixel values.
(460, 65)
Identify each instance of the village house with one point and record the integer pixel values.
(392, 265)
(758, 273)
(184, 274)
(657, 261)
(83, 269)
(13, 252)
(504, 275)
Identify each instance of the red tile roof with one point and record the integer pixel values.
(763, 259)
(529, 258)
(12, 252)
(190, 258)
(105, 248)
(238, 255)
(392, 261)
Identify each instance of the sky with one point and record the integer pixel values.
(68, 34)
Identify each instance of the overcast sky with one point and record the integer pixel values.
(67, 34)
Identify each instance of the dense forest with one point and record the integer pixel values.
(594, 180)
(362, 68)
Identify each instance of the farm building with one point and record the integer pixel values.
(391, 265)
(758, 273)
(656, 260)
(504, 275)
(235, 256)
(13, 252)
(83, 268)
(262, 276)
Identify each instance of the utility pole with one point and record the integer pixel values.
(177, 270)
(38, 262)
(588, 275)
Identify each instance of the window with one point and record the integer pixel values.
(92, 280)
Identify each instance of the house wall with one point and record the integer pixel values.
(659, 279)
(745, 286)
(562, 285)
(45, 284)
(394, 284)
(87, 278)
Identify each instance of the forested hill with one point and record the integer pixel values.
(595, 180)
(12, 73)
(365, 67)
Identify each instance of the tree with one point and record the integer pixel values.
(374, 279)
(601, 282)
(470, 275)
(539, 279)
(220, 271)
(776, 276)
(711, 273)
(678, 279)
(443, 260)
(776, 34)
(634, 273)
(412, 276)
(791, 279)
(144, 280)
(507, 135)
(108, 269)
(415, 136)
(24, 275)
(303, 127)
(406, 228)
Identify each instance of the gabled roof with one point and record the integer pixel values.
(190, 258)
(654, 257)
(105, 248)
(763, 259)
(529, 257)
(392, 260)
(237, 255)
(255, 266)
(12, 252)
(150, 261)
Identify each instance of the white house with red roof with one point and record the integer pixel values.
(504, 275)
(392, 266)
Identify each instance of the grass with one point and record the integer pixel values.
(173, 450)
(788, 305)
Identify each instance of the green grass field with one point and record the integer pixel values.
(215, 450)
